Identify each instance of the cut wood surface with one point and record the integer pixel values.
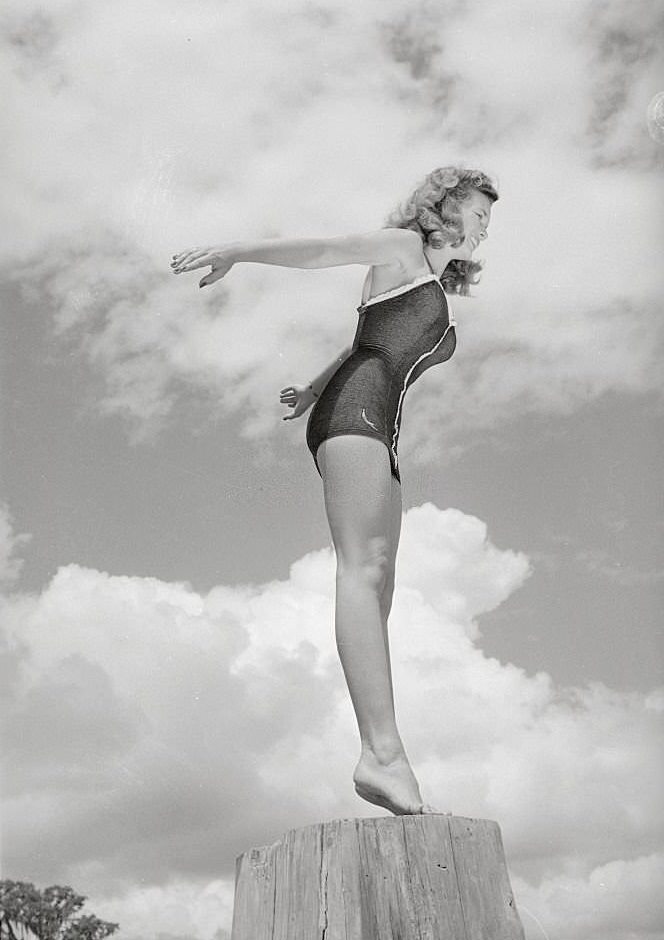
(386, 878)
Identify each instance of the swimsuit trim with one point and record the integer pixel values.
(362, 432)
(404, 288)
(396, 291)
(450, 326)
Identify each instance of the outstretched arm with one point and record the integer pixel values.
(301, 397)
(385, 246)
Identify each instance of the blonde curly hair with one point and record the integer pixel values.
(432, 210)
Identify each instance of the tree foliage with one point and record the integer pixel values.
(50, 914)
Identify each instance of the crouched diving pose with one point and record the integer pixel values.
(421, 257)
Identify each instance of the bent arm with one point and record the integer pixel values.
(318, 384)
(301, 397)
(385, 246)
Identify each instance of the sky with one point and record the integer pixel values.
(171, 694)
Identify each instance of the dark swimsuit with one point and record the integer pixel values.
(400, 334)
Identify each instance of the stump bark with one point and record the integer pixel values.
(390, 878)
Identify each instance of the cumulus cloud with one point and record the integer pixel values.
(153, 733)
(177, 911)
(150, 128)
(623, 36)
(612, 902)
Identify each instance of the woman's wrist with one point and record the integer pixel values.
(232, 252)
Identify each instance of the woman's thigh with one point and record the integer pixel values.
(359, 498)
(396, 510)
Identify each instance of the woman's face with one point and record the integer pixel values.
(476, 214)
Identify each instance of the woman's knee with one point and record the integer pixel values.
(369, 566)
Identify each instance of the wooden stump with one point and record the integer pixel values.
(390, 878)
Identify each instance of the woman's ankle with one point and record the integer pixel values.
(384, 750)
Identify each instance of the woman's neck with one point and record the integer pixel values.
(439, 258)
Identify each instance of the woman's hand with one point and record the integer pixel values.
(297, 397)
(221, 260)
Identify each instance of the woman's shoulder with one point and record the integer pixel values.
(410, 245)
(411, 265)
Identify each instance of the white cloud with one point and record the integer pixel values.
(179, 910)
(617, 901)
(152, 733)
(149, 128)
(10, 542)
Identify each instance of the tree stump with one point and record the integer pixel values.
(390, 878)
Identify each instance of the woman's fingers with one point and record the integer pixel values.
(214, 275)
(198, 261)
(197, 255)
(184, 261)
(181, 255)
(288, 396)
(295, 398)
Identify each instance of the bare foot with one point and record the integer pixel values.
(390, 783)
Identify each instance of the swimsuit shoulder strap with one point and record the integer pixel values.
(366, 292)
(368, 284)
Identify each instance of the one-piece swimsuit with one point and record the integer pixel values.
(400, 334)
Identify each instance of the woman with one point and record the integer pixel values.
(423, 253)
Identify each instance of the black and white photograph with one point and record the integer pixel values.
(331, 423)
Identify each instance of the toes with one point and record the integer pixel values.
(426, 809)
